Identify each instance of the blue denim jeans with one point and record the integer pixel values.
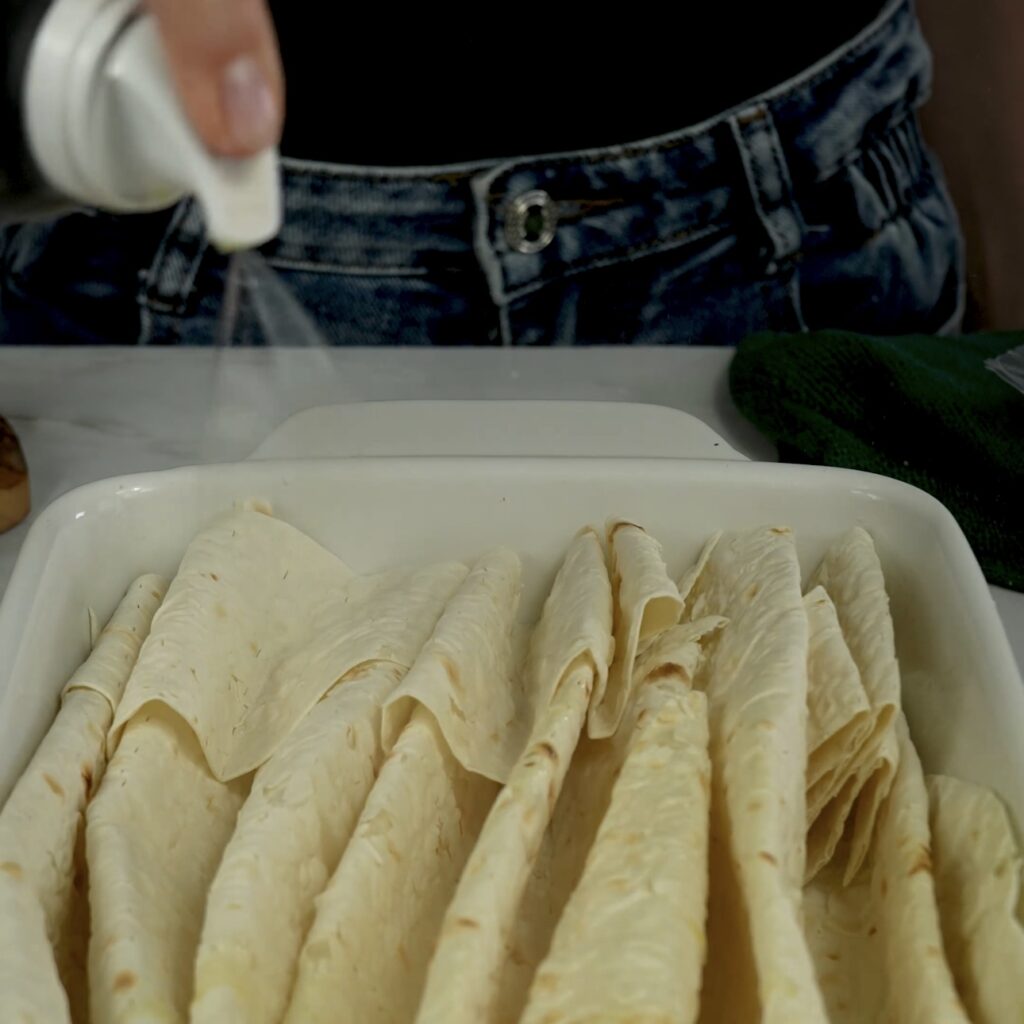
(815, 205)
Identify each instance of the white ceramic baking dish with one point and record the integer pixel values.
(962, 690)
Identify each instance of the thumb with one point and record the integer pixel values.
(225, 64)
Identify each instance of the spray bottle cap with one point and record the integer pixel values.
(106, 127)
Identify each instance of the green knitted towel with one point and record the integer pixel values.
(920, 409)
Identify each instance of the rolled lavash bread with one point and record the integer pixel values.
(851, 574)
(758, 966)
(647, 602)
(569, 657)
(630, 945)
(289, 837)
(977, 864)
(838, 711)
(877, 941)
(839, 722)
(42, 886)
(378, 918)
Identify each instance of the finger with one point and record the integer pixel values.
(225, 63)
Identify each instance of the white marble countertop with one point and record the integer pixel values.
(86, 414)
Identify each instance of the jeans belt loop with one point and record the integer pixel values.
(769, 181)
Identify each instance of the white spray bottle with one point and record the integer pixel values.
(105, 128)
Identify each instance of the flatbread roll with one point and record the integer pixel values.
(977, 864)
(839, 720)
(646, 602)
(367, 952)
(852, 575)
(41, 824)
(463, 981)
(570, 653)
(758, 966)
(155, 833)
(289, 838)
(378, 919)
(838, 711)
(630, 944)
(675, 656)
(877, 943)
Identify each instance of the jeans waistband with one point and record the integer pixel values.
(526, 222)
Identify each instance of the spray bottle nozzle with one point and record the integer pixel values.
(107, 128)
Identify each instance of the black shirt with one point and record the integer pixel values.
(400, 89)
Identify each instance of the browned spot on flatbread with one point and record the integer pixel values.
(214, 577)
(768, 858)
(922, 861)
(220, 611)
(753, 590)
(872, 931)
(552, 796)
(515, 955)
(667, 671)
(124, 981)
(442, 848)
(781, 530)
(8, 867)
(467, 922)
(55, 786)
(451, 670)
(546, 981)
(545, 748)
(403, 955)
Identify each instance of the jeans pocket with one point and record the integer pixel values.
(711, 294)
(885, 254)
(370, 307)
(74, 280)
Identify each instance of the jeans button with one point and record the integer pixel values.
(530, 221)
